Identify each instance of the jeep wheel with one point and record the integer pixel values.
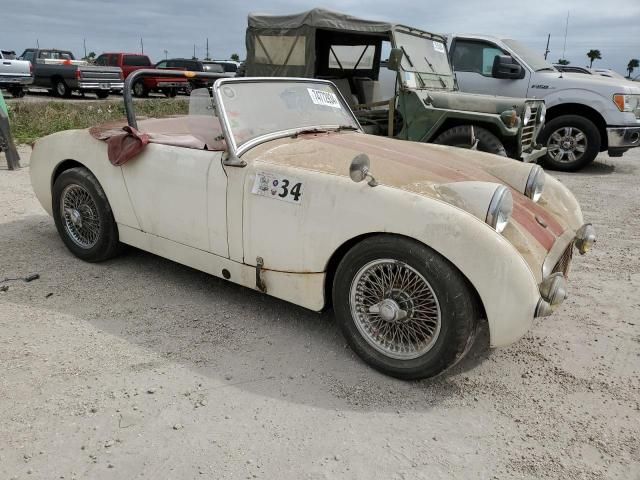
(463, 137)
(572, 142)
(403, 308)
(17, 92)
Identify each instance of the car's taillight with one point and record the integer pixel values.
(31, 68)
(78, 74)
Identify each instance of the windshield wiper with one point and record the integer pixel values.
(346, 127)
(412, 66)
(323, 130)
(545, 68)
(444, 85)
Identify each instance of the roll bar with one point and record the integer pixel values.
(127, 93)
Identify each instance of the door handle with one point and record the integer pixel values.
(6, 63)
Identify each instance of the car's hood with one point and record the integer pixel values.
(558, 80)
(422, 169)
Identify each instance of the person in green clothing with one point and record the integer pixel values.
(3, 105)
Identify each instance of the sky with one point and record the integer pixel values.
(612, 26)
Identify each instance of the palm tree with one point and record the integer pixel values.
(593, 55)
(633, 63)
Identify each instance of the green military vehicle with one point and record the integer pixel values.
(412, 96)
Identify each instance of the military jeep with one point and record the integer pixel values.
(411, 96)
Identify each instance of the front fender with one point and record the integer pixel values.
(302, 238)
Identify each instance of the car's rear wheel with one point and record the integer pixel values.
(403, 308)
(139, 89)
(17, 92)
(83, 216)
(102, 94)
(170, 92)
(465, 136)
(61, 89)
(572, 143)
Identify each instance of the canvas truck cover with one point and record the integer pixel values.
(285, 45)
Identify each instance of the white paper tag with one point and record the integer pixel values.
(278, 187)
(410, 80)
(438, 46)
(320, 97)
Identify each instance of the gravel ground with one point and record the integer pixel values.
(140, 367)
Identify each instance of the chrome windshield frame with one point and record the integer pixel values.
(235, 151)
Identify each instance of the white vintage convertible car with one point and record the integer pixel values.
(272, 184)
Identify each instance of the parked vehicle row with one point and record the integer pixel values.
(586, 114)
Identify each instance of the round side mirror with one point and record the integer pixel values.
(359, 168)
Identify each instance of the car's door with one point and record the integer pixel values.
(179, 194)
(473, 60)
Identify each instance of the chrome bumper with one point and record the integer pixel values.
(556, 267)
(4, 81)
(623, 137)
(533, 155)
(101, 85)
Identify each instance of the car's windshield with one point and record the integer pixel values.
(257, 108)
(529, 56)
(426, 59)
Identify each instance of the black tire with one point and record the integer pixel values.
(17, 92)
(106, 244)
(140, 90)
(555, 159)
(61, 89)
(170, 92)
(188, 88)
(450, 288)
(102, 94)
(461, 136)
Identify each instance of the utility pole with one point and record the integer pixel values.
(546, 50)
(37, 43)
(141, 45)
(84, 44)
(566, 31)
(166, 52)
(208, 58)
(194, 51)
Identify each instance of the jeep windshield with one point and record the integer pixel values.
(528, 56)
(255, 108)
(425, 62)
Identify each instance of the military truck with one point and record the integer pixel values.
(412, 96)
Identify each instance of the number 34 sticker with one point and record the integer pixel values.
(278, 187)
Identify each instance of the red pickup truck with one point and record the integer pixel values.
(130, 62)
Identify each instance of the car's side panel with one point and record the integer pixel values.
(168, 187)
(301, 238)
(81, 147)
(305, 290)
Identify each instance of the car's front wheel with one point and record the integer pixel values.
(403, 308)
(83, 216)
(572, 143)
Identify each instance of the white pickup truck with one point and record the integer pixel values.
(14, 74)
(586, 114)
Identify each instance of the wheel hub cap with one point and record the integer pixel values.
(567, 144)
(395, 309)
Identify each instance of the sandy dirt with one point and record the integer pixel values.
(142, 368)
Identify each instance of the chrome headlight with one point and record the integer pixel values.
(527, 116)
(535, 183)
(626, 102)
(542, 114)
(500, 208)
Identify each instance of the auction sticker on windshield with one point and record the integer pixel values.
(274, 186)
(320, 97)
(438, 47)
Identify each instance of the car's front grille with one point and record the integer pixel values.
(529, 131)
(564, 262)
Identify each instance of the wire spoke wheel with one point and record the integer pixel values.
(80, 217)
(567, 144)
(395, 309)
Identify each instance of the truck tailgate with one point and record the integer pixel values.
(100, 74)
